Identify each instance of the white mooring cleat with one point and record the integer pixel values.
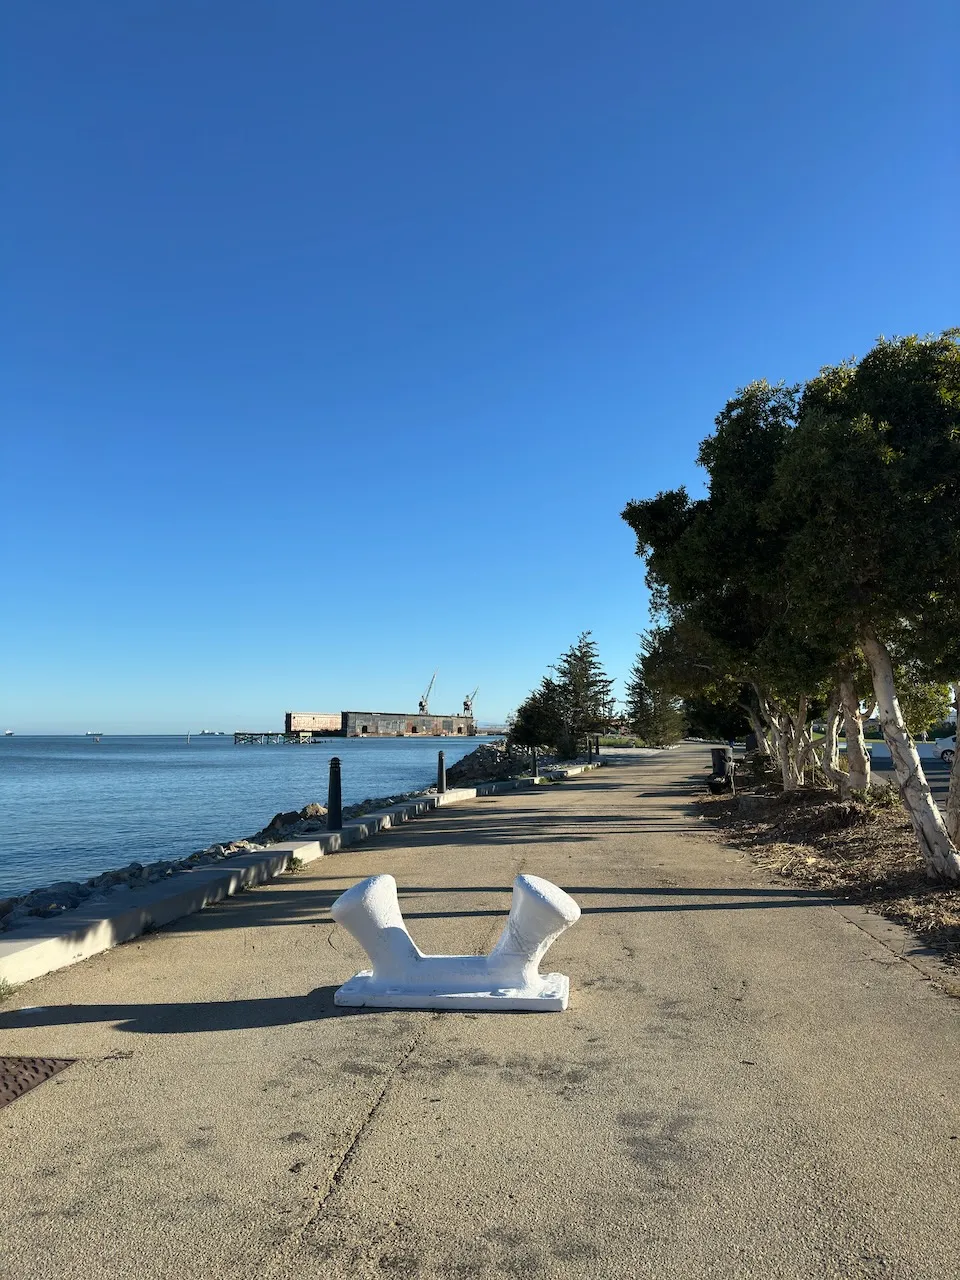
(403, 977)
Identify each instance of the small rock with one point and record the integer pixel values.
(50, 902)
(281, 820)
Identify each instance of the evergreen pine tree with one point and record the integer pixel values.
(538, 721)
(585, 694)
(569, 706)
(655, 717)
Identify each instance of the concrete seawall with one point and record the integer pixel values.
(54, 943)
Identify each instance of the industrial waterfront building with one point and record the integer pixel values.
(378, 724)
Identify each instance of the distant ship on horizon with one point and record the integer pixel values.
(212, 733)
(94, 733)
(8, 733)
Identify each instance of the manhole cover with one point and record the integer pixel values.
(19, 1075)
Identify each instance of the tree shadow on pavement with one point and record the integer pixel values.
(311, 905)
(186, 1017)
(189, 1016)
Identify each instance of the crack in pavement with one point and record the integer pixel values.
(288, 1246)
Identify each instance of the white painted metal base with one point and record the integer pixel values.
(550, 994)
(403, 977)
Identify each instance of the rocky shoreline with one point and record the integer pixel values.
(489, 762)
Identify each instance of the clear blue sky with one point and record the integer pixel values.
(336, 336)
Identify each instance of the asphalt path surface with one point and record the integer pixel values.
(937, 774)
(746, 1084)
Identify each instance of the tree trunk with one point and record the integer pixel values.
(759, 718)
(939, 853)
(830, 748)
(858, 757)
(776, 742)
(802, 737)
(765, 722)
(784, 741)
(806, 756)
(758, 727)
(953, 794)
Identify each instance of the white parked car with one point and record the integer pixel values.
(946, 747)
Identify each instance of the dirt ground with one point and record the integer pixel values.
(863, 849)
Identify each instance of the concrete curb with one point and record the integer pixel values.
(48, 944)
(903, 943)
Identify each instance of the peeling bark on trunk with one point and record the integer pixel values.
(788, 734)
(939, 853)
(805, 752)
(953, 793)
(761, 721)
(829, 754)
(803, 739)
(781, 750)
(769, 718)
(858, 757)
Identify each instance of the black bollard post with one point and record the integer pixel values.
(441, 774)
(334, 802)
(536, 763)
(589, 750)
(598, 746)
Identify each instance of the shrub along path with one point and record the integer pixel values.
(746, 1084)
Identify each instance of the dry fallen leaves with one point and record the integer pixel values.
(861, 849)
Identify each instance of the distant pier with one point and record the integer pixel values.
(243, 737)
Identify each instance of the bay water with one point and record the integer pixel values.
(72, 807)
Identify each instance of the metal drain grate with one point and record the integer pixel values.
(19, 1075)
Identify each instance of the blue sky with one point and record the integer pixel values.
(336, 336)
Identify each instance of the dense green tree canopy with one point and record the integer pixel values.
(870, 489)
(827, 548)
(570, 705)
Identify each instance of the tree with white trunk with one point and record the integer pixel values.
(870, 482)
(828, 546)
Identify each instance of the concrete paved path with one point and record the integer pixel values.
(746, 1084)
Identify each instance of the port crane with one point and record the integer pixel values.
(425, 698)
(468, 702)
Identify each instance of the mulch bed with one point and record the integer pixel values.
(863, 849)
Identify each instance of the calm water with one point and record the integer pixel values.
(71, 807)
